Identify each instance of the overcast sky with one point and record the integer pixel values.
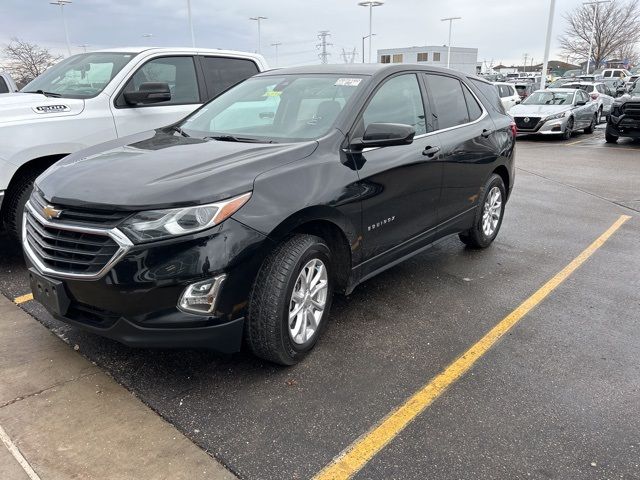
(502, 30)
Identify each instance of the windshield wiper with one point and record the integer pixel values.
(176, 128)
(46, 94)
(232, 138)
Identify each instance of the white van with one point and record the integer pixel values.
(99, 96)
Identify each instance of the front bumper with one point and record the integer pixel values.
(623, 126)
(136, 301)
(549, 127)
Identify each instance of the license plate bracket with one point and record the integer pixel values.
(49, 292)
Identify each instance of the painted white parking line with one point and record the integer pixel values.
(17, 455)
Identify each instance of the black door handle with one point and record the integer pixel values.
(487, 133)
(430, 151)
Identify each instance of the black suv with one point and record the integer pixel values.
(245, 217)
(624, 119)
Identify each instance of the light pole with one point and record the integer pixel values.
(148, 37)
(61, 4)
(363, 39)
(84, 47)
(450, 20)
(370, 4)
(258, 19)
(277, 44)
(593, 28)
(193, 37)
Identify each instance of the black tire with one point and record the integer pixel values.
(267, 325)
(16, 199)
(476, 237)
(610, 138)
(599, 116)
(592, 127)
(568, 129)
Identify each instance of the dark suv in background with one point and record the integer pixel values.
(624, 120)
(244, 218)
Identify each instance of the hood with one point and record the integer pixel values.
(538, 110)
(15, 107)
(628, 97)
(161, 170)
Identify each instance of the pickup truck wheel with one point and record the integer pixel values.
(489, 213)
(290, 300)
(610, 138)
(594, 121)
(17, 197)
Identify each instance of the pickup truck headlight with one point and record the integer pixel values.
(557, 116)
(158, 224)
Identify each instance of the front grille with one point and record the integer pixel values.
(75, 215)
(632, 110)
(531, 124)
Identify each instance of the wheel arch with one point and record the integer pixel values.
(502, 171)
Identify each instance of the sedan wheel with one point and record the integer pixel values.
(568, 129)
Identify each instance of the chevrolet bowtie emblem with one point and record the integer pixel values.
(51, 212)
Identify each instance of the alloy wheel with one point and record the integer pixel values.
(308, 301)
(492, 211)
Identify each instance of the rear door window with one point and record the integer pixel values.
(221, 73)
(4, 88)
(448, 101)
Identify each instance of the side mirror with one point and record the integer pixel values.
(580, 103)
(149, 92)
(385, 135)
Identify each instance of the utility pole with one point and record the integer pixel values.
(593, 29)
(193, 37)
(526, 56)
(62, 4)
(547, 45)
(277, 44)
(322, 36)
(348, 57)
(450, 20)
(258, 19)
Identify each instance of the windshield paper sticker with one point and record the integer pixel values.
(348, 82)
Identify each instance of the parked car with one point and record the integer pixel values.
(525, 89)
(624, 120)
(616, 86)
(590, 78)
(599, 93)
(245, 217)
(99, 96)
(615, 73)
(556, 111)
(560, 82)
(572, 73)
(630, 82)
(508, 95)
(7, 85)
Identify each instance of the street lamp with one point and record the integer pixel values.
(61, 4)
(370, 4)
(84, 47)
(193, 37)
(148, 37)
(363, 39)
(277, 44)
(547, 45)
(593, 28)
(258, 19)
(450, 20)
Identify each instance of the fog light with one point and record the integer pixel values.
(200, 298)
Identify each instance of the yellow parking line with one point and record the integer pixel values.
(23, 298)
(356, 456)
(574, 143)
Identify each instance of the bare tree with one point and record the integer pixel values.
(25, 61)
(617, 28)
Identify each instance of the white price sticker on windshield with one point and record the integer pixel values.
(348, 82)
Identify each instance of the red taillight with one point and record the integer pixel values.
(514, 129)
(594, 96)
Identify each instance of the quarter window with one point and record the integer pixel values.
(398, 101)
(178, 72)
(423, 57)
(475, 110)
(221, 73)
(449, 101)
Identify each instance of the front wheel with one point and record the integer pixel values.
(290, 301)
(568, 129)
(16, 199)
(610, 138)
(488, 219)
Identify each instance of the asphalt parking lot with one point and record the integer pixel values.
(557, 397)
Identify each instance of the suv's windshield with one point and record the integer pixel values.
(276, 108)
(80, 76)
(549, 98)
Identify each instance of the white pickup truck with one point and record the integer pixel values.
(7, 85)
(99, 96)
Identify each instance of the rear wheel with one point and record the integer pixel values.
(16, 199)
(568, 129)
(488, 219)
(290, 301)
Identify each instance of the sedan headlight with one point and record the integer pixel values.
(557, 116)
(158, 224)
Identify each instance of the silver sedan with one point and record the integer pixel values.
(555, 111)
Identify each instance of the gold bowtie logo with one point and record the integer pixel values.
(51, 212)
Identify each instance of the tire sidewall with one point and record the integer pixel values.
(320, 251)
(483, 239)
(566, 135)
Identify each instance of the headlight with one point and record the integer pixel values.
(556, 116)
(157, 224)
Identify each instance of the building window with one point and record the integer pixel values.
(397, 58)
(436, 56)
(423, 57)
(385, 58)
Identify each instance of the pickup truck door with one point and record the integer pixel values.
(179, 72)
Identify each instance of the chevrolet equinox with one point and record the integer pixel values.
(241, 221)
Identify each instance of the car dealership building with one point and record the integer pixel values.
(462, 59)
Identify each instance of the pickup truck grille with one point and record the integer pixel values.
(70, 251)
(103, 218)
(632, 110)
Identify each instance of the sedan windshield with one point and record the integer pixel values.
(549, 98)
(80, 76)
(277, 108)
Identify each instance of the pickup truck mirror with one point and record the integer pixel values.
(149, 92)
(385, 135)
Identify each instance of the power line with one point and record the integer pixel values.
(322, 36)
